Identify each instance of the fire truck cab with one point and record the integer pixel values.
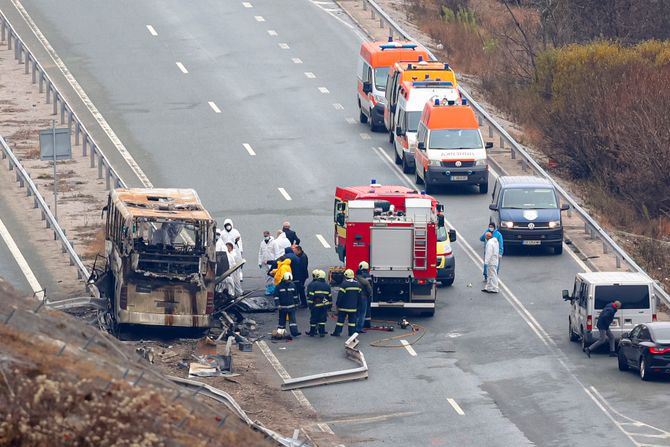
(395, 230)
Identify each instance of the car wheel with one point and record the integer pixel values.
(405, 166)
(429, 188)
(448, 282)
(583, 340)
(483, 188)
(623, 361)
(571, 333)
(558, 249)
(644, 370)
(362, 118)
(418, 179)
(398, 160)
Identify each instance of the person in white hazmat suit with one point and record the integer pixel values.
(281, 243)
(234, 259)
(222, 250)
(491, 259)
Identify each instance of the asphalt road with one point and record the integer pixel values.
(279, 77)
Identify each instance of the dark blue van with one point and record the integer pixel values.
(527, 211)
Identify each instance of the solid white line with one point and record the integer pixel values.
(283, 46)
(279, 368)
(284, 193)
(272, 32)
(297, 60)
(324, 90)
(457, 408)
(325, 428)
(214, 107)
(84, 97)
(409, 347)
(323, 241)
(338, 106)
(259, 18)
(152, 30)
(247, 5)
(247, 146)
(310, 75)
(21, 261)
(332, 14)
(182, 68)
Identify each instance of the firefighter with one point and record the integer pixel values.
(318, 298)
(363, 317)
(286, 298)
(348, 299)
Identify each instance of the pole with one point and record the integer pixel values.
(53, 133)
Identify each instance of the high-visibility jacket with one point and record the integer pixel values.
(349, 295)
(318, 293)
(286, 295)
(282, 267)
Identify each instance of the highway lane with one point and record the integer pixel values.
(304, 144)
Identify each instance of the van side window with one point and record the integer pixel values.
(401, 120)
(389, 86)
(421, 133)
(495, 195)
(583, 295)
(359, 68)
(366, 74)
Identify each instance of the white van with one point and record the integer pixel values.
(593, 291)
(412, 98)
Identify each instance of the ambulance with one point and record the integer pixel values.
(450, 149)
(374, 61)
(410, 71)
(412, 98)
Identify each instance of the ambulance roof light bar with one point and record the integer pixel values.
(396, 46)
(432, 84)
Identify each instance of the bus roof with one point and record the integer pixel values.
(448, 117)
(385, 54)
(159, 203)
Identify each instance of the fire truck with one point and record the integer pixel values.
(395, 230)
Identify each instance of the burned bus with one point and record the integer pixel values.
(160, 258)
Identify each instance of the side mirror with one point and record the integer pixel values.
(393, 108)
(488, 145)
(565, 207)
(421, 146)
(399, 132)
(452, 235)
(367, 87)
(340, 219)
(566, 295)
(493, 207)
(340, 207)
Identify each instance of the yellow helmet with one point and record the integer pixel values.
(288, 276)
(322, 274)
(349, 274)
(315, 273)
(363, 266)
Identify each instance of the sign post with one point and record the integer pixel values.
(55, 145)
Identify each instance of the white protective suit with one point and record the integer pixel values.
(280, 245)
(491, 259)
(266, 252)
(234, 237)
(234, 258)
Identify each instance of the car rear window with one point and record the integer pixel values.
(631, 296)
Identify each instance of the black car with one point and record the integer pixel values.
(646, 348)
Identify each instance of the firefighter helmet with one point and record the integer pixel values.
(288, 276)
(322, 274)
(349, 274)
(315, 273)
(363, 266)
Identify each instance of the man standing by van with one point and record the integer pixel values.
(491, 258)
(496, 234)
(604, 320)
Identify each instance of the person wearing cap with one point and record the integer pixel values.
(363, 317)
(290, 234)
(319, 297)
(285, 298)
(348, 299)
(603, 324)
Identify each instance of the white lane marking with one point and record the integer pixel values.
(84, 97)
(338, 106)
(515, 303)
(324, 90)
(249, 149)
(152, 30)
(247, 5)
(272, 33)
(182, 68)
(457, 408)
(310, 75)
(284, 193)
(259, 18)
(283, 46)
(21, 261)
(351, 120)
(297, 60)
(365, 136)
(409, 347)
(332, 12)
(325, 428)
(323, 241)
(214, 107)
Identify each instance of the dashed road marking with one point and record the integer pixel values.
(247, 5)
(338, 106)
(259, 18)
(152, 30)
(350, 120)
(324, 90)
(297, 60)
(323, 241)
(273, 33)
(284, 193)
(310, 75)
(182, 68)
(249, 149)
(214, 107)
(365, 135)
(457, 408)
(409, 347)
(283, 46)
(21, 261)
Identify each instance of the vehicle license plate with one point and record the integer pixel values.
(531, 242)
(459, 178)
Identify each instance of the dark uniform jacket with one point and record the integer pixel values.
(606, 317)
(366, 288)
(285, 295)
(318, 293)
(291, 236)
(349, 295)
(301, 273)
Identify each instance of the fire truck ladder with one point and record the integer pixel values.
(421, 246)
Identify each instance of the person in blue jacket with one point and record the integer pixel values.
(496, 234)
(603, 324)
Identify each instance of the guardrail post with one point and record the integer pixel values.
(605, 249)
(35, 205)
(84, 141)
(20, 180)
(16, 48)
(48, 92)
(593, 233)
(502, 142)
(55, 111)
(62, 112)
(513, 153)
(365, 5)
(77, 130)
(41, 82)
(27, 64)
(101, 164)
(381, 22)
(108, 177)
(69, 121)
(3, 31)
(618, 262)
(586, 228)
(92, 155)
(490, 131)
(11, 165)
(391, 32)
(372, 13)
(9, 41)
(35, 72)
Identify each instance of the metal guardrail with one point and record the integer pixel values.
(590, 225)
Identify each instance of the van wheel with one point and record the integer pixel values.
(363, 119)
(571, 333)
(558, 249)
(405, 166)
(483, 188)
(429, 188)
(623, 362)
(390, 137)
(398, 160)
(419, 180)
(373, 126)
(583, 340)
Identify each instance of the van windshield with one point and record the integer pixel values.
(635, 296)
(455, 139)
(413, 121)
(381, 74)
(529, 198)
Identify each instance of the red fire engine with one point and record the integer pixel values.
(393, 228)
